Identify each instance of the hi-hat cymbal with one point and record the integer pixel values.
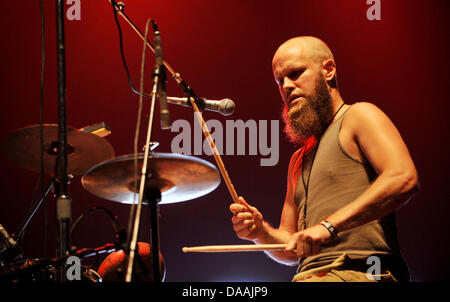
(179, 178)
(84, 149)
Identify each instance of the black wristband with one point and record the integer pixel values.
(330, 228)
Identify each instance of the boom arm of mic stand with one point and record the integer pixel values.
(175, 75)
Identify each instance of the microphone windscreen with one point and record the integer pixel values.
(227, 107)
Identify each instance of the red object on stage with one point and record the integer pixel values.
(114, 267)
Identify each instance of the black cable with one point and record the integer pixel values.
(122, 54)
(90, 211)
(120, 232)
(118, 229)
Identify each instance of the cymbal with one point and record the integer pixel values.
(84, 149)
(179, 178)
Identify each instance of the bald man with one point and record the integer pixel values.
(350, 174)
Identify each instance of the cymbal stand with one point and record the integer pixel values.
(20, 231)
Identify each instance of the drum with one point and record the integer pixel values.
(114, 267)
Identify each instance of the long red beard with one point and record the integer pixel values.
(310, 117)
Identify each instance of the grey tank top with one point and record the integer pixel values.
(335, 180)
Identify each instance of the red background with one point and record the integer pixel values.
(224, 49)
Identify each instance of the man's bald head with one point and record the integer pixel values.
(307, 46)
(305, 50)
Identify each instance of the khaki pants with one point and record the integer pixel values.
(335, 273)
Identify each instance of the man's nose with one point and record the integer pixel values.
(288, 83)
(287, 88)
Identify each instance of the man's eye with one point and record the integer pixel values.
(295, 74)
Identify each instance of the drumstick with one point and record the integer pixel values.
(215, 152)
(235, 248)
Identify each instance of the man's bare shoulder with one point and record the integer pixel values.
(365, 114)
(364, 109)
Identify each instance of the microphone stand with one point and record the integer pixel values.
(151, 195)
(63, 201)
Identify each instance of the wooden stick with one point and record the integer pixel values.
(234, 248)
(215, 152)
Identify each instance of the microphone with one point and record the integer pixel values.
(164, 110)
(225, 106)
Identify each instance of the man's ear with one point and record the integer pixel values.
(329, 69)
(329, 72)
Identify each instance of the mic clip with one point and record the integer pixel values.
(201, 104)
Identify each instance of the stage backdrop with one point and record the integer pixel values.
(391, 53)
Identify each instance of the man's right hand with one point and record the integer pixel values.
(248, 224)
(247, 220)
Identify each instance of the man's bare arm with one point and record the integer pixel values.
(397, 180)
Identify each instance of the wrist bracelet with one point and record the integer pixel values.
(330, 228)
